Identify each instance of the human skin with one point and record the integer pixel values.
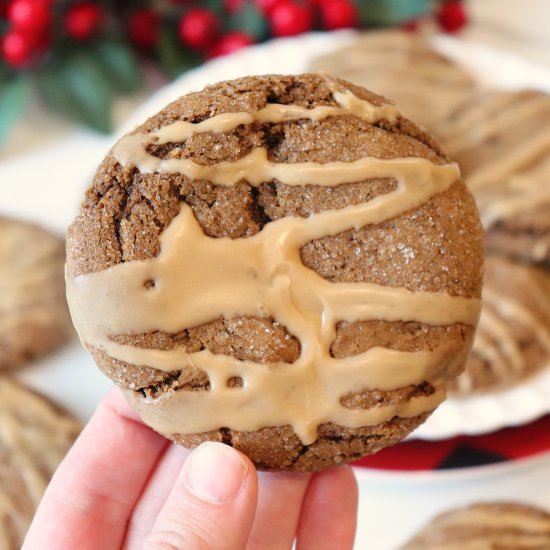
(123, 486)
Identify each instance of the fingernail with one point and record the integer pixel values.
(215, 472)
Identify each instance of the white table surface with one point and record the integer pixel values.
(42, 156)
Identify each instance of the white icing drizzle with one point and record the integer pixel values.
(511, 182)
(479, 129)
(470, 116)
(512, 309)
(34, 437)
(490, 322)
(199, 279)
(521, 156)
(517, 194)
(504, 310)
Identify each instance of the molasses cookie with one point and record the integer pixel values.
(502, 144)
(486, 526)
(513, 335)
(35, 434)
(425, 84)
(34, 318)
(281, 263)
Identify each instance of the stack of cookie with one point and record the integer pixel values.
(426, 85)
(35, 433)
(502, 144)
(487, 525)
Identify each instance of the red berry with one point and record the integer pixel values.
(143, 28)
(290, 19)
(29, 15)
(198, 28)
(339, 14)
(412, 25)
(231, 42)
(82, 20)
(17, 48)
(452, 16)
(267, 6)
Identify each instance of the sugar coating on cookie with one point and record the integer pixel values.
(385, 60)
(34, 318)
(35, 434)
(281, 263)
(486, 526)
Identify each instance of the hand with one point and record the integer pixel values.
(124, 486)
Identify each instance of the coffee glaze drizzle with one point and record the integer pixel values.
(198, 279)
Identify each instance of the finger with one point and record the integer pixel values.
(279, 503)
(212, 504)
(154, 496)
(329, 513)
(97, 485)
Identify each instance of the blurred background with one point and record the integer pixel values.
(76, 74)
(67, 62)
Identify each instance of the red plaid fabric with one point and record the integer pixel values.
(464, 451)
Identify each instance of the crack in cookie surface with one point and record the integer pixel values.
(247, 208)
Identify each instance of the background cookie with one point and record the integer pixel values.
(502, 144)
(384, 61)
(35, 434)
(34, 318)
(502, 525)
(213, 182)
(513, 335)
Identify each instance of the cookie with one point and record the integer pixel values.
(486, 526)
(425, 84)
(513, 335)
(281, 263)
(35, 434)
(502, 144)
(34, 318)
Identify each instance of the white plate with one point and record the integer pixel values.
(70, 376)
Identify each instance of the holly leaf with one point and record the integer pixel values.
(79, 87)
(250, 20)
(392, 12)
(120, 64)
(217, 6)
(13, 97)
(4, 72)
(173, 57)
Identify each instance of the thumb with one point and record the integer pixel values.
(212, 503)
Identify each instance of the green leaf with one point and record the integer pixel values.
(120, 64)
(392, 12)
(250, 20)
(173, 56)
(217, 6)
(13, 96)
(79, 87)
(4, 72)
